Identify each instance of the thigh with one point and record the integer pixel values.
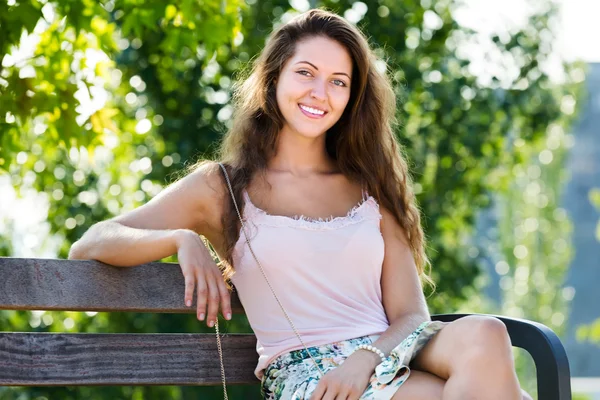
(448, 346)
(420, 386)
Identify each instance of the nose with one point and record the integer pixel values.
(318, 90)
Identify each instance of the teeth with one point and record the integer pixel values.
(312, 110)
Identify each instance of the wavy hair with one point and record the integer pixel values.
(362, 142)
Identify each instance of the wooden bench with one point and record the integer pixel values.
(62, 359)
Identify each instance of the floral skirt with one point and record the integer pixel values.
(294, 376)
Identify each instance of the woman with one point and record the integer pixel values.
(339, 312)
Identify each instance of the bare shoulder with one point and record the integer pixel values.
(208, 177)
(208, 182)
(391, 230)
(194, 202)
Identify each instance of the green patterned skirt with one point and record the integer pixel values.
(294, 376)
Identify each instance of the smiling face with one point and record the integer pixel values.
(313, 87)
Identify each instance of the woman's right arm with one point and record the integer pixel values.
(168, 224)
(152, 231)
(123, 246)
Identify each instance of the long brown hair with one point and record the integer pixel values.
(362, 142)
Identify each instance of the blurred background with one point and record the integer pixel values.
(102, 104)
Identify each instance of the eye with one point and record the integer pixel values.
(339, 82)
(304, 72)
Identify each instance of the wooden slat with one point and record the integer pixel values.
(59, 359)
(75, 285)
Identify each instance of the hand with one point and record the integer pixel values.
(349, 380)
(199, 269)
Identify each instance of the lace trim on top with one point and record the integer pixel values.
(367, 209)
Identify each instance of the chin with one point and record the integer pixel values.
(310, 133)
(305, 130)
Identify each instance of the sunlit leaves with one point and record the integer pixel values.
(19, 17)
(589, 332)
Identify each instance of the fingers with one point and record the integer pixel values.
(217, 293)
(190, 283)
(201, 273)
(333, 391)
(340, 396)
(319, 391)
(201, 295)
(225, 298)
(354, 394)
(330, 394)
(213, 301)
(210, 293)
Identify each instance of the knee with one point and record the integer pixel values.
(486, 339)
(486, 332)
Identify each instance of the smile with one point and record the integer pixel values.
(311, 112)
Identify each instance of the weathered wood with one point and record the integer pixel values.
(59, 359)
(75, 285)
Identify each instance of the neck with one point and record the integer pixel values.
(301, 156)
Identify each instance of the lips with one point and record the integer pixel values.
(312, 112)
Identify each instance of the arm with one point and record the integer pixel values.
(112, 243)
(403, 298)
(152, 232)
(169, 224)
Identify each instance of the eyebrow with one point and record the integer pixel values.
(315, 67)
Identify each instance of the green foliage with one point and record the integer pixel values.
(167, 71)
(534, 239)
(589, 332)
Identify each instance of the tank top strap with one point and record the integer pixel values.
(250, 210)
(365, 194)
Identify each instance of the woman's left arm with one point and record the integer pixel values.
(403, 297)
(404, 304)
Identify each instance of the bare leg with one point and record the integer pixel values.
(474, 355)
(423, 385)
(420, 386)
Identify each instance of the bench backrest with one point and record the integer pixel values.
(111, 359)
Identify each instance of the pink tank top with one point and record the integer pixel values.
(326, 273)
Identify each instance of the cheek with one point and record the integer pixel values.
(278, 97)
(287, 93)
(341, 101)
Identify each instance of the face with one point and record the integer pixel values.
(313, 87)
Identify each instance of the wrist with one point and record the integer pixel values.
(368, 357)
(180, 236)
